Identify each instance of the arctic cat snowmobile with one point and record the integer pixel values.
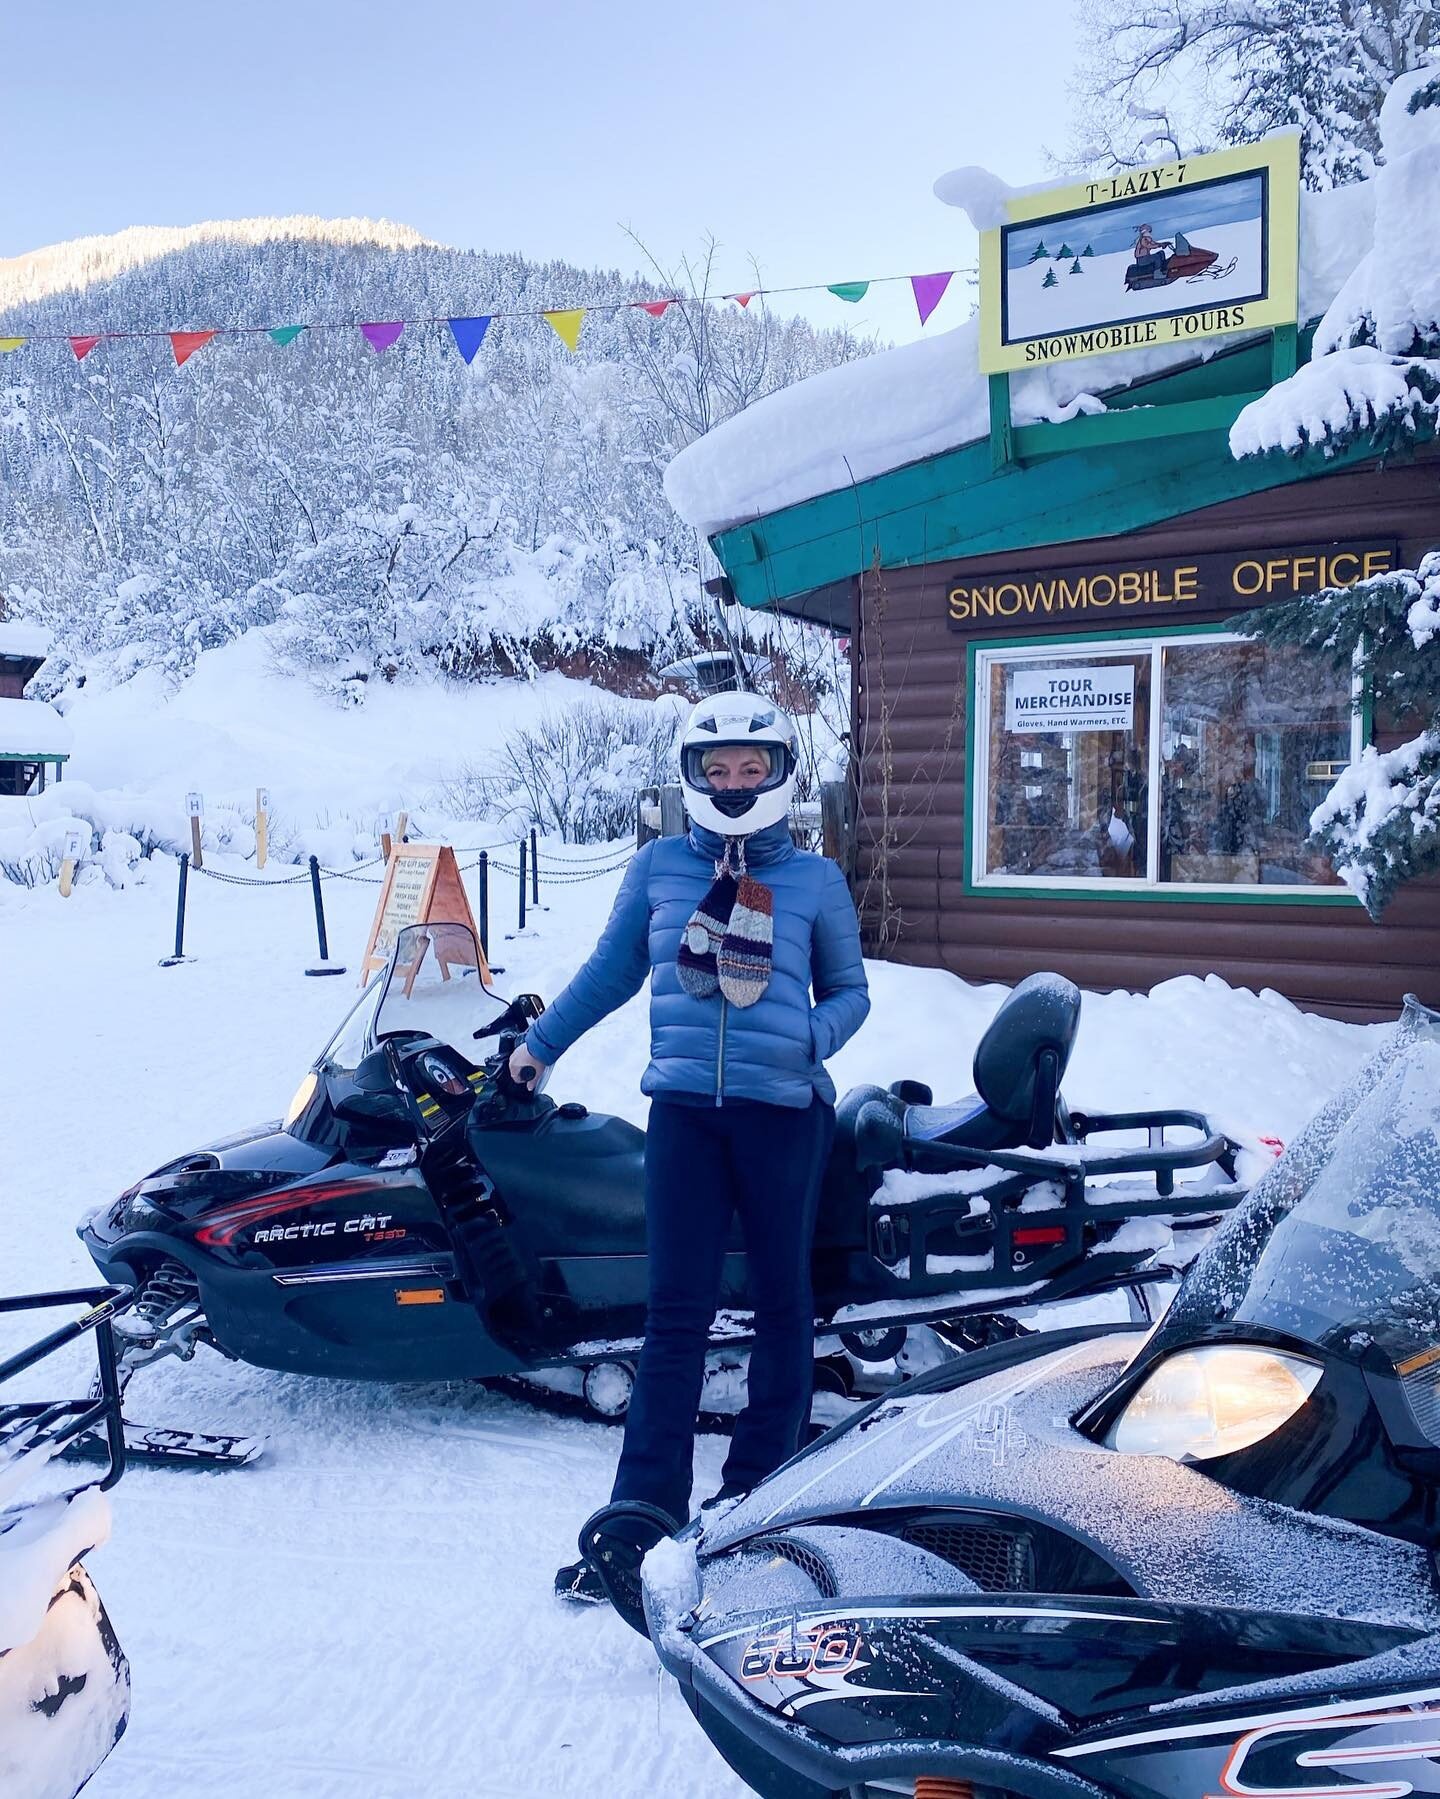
(417, 1216)
(64, 1680)
(1093, 1565)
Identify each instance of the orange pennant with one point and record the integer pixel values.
(745, 299)
(186, 343)
(82, 346)
(656, 308)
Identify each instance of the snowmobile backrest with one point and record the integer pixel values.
(1022, 1058)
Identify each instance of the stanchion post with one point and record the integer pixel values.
(179, 956)
(482, 868)
(324, 965)
(523, 847)
(534, 869)
(262, 827)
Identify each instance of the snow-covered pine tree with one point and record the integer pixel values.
(1175, 77)
(1380, 823)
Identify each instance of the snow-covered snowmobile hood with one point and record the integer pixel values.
(1004, 1445)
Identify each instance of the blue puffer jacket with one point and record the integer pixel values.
(773, 1050)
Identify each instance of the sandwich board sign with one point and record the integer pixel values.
(422, 886)
(1148, 257)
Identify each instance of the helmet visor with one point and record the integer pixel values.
(695, 756)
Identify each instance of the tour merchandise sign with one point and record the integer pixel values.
(1162, 591)
(1182, 250)
(1071, 699)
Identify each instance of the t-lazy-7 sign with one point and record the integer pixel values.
(1186, 249)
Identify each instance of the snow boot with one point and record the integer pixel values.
(579, 1584)
(615, 1541)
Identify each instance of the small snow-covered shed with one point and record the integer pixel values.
(1105, 521)
(33, 736)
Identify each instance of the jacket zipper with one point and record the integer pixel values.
(720, 1055)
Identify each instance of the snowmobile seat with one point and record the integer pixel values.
(1019, 1064)
(575, 1185)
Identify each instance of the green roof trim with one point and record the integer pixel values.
(34, 755)
(1160, 450)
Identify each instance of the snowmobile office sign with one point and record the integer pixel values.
(1070, 699)
(1183, 250)
(1168, 587)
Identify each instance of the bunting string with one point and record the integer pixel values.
(468, 332)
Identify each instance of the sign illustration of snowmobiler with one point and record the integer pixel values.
(1186, 249)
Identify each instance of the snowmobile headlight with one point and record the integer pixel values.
(304, 1093)
(1214, 1400)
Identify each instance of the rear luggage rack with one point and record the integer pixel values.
(42, 1428)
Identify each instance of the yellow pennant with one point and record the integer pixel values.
(566, 325)
(12, 343)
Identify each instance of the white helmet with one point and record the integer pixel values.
(730, 721)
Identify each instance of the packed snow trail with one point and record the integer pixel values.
(366, 1612)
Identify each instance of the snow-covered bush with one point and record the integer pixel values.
(1380, 822)
(1374, 373)
(574, 773)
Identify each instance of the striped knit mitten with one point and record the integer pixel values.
(702, 937)
(744, 961)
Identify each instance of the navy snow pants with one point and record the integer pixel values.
(704, 1163)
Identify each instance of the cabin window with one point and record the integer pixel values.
(1183, 763)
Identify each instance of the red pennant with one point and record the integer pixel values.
(656, 308)
(745, 299)
(82, 346)
(186, 343)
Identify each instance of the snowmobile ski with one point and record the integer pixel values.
(181, 1448)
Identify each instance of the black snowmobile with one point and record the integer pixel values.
(417, 1216)
(1092, 1565)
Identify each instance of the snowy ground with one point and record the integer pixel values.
(367, 1611)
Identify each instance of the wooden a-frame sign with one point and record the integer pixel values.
(422, 886)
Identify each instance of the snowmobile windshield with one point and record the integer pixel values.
(434, 987)
(1339, 1244)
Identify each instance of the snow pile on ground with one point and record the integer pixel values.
(1376, 358)
(861, 419)
(243, 722)
(343, 1617)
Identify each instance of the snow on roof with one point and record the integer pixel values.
(31, 728)
(20, 639)
(864, 418)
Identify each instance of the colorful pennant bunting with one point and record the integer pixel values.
(929, 291)
(82, 346)
(380, 337)
(186, 343)
(284, 334)
(566, 325)
(469, 334)
(849, 290)
(12, 343)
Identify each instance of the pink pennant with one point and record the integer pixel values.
(744, 299)
(656, 308)
(380, 337)
(82, 346)
(929, 292)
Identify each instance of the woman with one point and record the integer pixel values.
(734, 925)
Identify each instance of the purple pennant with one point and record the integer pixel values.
(380, 337)
(929, 292)
(469, 334)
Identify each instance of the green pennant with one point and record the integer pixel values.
(286, 334)
(849, 290)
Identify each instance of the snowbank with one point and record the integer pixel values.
(20, 639)
(861, 419)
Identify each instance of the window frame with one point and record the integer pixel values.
(983, 653)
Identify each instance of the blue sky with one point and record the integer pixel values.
(804, 135)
